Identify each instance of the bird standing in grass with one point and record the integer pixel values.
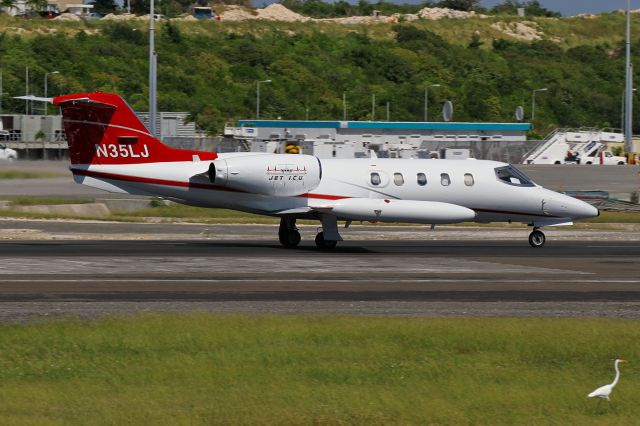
(605, 391)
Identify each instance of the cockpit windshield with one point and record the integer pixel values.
(512, 176)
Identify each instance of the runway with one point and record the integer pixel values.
(381, 277)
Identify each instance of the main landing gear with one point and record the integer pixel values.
(323, 244)
(537, 238)
(327, 239)
(288, 233)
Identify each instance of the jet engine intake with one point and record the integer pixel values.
(283, 175)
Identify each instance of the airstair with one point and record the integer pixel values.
(583, 143)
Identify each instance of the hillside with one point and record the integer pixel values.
(487, 66)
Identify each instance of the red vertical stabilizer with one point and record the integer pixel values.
(101, 128)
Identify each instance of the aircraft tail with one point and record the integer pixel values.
(102, 128)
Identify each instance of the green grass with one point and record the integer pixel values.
(46, 201)
(22, 174)
(207, 369)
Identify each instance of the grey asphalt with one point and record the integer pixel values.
(392, 277)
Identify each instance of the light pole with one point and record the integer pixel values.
(533, 103)
(46, 76)
(373, 107)
(258, 97)
(622, 128)
(344, 106)
(628, 124)
(388, 111)
(26, 90)
(153, 62)
(426, 101)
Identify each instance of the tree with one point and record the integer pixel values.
(7, 5)
(104, 7)
(36, 5)
(532, 8)
(464, 5)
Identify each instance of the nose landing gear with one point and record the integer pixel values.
(537, 238)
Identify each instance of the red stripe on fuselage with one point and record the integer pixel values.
(165, 182)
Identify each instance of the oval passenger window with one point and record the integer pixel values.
(422, 179)
(468, 179)
(398, 179)
(375, 179)
(445, 180)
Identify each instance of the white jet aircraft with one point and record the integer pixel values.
(111, 149)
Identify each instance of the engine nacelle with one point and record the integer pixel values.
(284, 175)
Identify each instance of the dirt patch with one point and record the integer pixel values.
(436, 13)
(277, 12)
(237, 13)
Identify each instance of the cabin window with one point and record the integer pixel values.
(422, 179)
(468, 179)
(375, 179)
(512, 176)
(445, 180)
(398, 179)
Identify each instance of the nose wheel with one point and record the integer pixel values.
(537, 238)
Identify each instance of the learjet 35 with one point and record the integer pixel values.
(112, 150)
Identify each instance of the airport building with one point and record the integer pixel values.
(43, 136)
(348, 139)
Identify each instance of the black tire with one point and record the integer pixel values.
(621, 163)
(589, 162)
(537, 238)
(323, 244)
(289, 238)
(557, 162)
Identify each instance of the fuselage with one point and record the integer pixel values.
(489, 188)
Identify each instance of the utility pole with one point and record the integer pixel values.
(388, 111)
(152, 73)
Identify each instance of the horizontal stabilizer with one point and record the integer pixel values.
(34, 98)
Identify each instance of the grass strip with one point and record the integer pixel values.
(22, 174)
(46, 201)
(213, 369)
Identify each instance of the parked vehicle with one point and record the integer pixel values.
(8, 153)
(607, 158)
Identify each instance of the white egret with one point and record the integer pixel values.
(605, 391)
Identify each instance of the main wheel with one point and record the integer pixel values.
(323, 244)
(289, 238)
(537, 238)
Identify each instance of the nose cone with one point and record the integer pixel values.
(565, 206)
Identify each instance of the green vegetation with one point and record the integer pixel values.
(44, 201)
(208, 369)
(21, 174)
(210, 68)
